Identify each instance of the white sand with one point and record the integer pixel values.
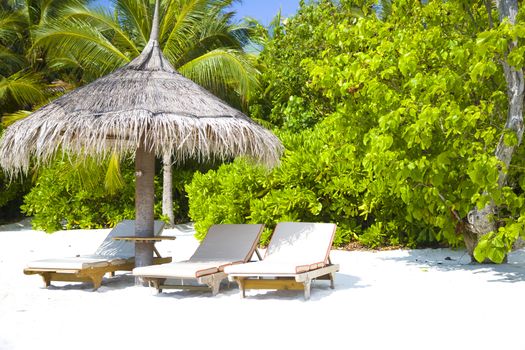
(402, 299)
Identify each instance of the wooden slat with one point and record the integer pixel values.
(144, 239)
(89, 274)
(31, 271)
(313, 274)
(183, 287)
(66, 277)
(272, 284)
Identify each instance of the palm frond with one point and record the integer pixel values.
(223, 70)
(114, 180)
(44, 11)
(180, 26)
(9, 119)
(24, 88)
(199, 33)
(90, 171)
(83, 41)
(11, 26)
(106, 24)
(10, 62)
(135, 18)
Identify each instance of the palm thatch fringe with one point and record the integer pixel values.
(198, 138)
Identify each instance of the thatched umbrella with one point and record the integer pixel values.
(146, 108)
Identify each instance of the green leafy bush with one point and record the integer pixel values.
(223, 196)
(390, 126)
(11, 196)
(67, 196)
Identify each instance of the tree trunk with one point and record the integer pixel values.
(144, 203)
(481, 221)
(167, 189)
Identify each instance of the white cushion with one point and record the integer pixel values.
(295, 247)
(72, 263)
(301, 243)
(261, 268)
(181, 269)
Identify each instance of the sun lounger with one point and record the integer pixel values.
(224, 245)
(297, 254)
(111, 256)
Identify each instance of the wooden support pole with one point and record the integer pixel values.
(144, 203)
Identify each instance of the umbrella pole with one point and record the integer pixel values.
(144, 202)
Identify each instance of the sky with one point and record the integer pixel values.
(262, 10)
(265, 10)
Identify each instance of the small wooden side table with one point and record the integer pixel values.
(150, 240)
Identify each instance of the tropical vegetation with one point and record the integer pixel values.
(83, 43)
(400, 119)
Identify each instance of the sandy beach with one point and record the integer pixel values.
(400, 299)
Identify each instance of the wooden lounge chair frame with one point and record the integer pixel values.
(300, 281)
(210, 282)
(287, 281)
(88, 274)
(93, 274)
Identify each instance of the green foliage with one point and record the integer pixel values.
(68, 195)
(196, 36)
(429, 136)
(286, 100)
(223, 195)
(11, 195)
(69, 43)
(390, 125)
(496, 245)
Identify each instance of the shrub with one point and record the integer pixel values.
(223, 196)
(65, 198)
(11, 197)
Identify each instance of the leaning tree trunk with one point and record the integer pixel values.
(167, 189)
(481, 221)
(144, 202)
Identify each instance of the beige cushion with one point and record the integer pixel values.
(181, 269)
(230, 242)
(123, 249)
(223, 245)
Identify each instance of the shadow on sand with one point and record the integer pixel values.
(453, 260)
(118, 282)
(320, 289)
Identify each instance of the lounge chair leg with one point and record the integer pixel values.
(47, 279)
(240, 283)
(97, 280)
(215, 286)
(332, 279)
(307, 285)
(157, 283)
(96, 284)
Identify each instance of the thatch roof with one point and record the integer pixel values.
(146, 98)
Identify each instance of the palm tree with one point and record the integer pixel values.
(26, 79)
(197, 36)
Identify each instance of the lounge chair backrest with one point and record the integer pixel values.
(231, 242)
(124, 249)
(301, 242)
